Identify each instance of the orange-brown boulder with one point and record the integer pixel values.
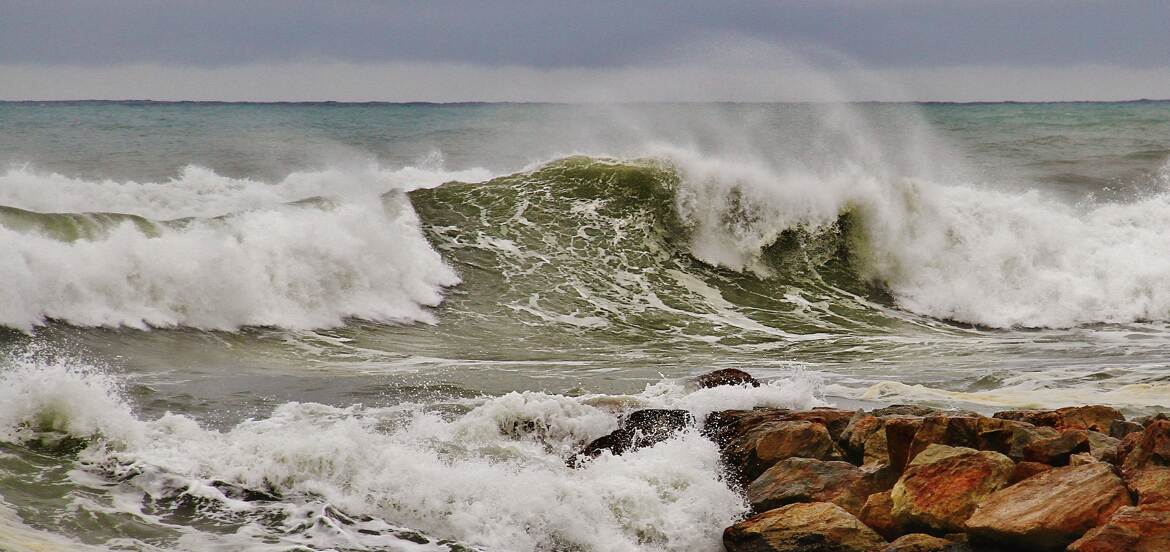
(1151, 446)
(1151, 484)
(809, 480)
(1129, 529)
(751, 441)
(921, 542)
(1050, 510)
(1025, 470)
(1057, 450)
(942, 485)
(1092, 417)
(876, 514)
(812, 527)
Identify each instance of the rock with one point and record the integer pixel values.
(904, 410)
(954, 431)
(814, 527)
(876, 514)
(834, 419)
(751, 441)
(1081, 459)
(1009, 437)
(1092, 417)
(941, 486)
(1057, 450)
(641, 428)
(876, 450)
(859, 429)
(1151, 446)
(899, 437)
(1151, 484)
(919, 542)
(1103, 447)
(1025, 470)
(808, 480)
(1120, 428)
(1129, 529)
(1049, 510)
(726, 376)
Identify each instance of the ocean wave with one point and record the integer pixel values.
(493, 476)
(211, 252)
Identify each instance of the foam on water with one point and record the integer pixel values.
(265, 259)
(493, 477)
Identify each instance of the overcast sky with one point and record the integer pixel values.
(586, 50)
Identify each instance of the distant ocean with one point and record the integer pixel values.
(387, 326)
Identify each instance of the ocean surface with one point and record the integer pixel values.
(387, 326)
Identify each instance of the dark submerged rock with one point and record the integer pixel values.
(642, 428)
(726, 376)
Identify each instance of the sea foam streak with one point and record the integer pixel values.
(243, 252)
(494, 476)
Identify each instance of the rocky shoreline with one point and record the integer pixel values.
(914, 479)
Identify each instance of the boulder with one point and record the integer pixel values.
(726, 376)
(1103, 447)
(1010, 437)
(1129, 529)
(809, 480)
(921, 542)
(751, 441)
(941, 486)
(1120, 428)
(876, 514)
(1056, 451)
(641, 428)
(1092, 417)
(813, 527)
(1150, 447)
(1025, 470)
(899, 437)
(954, 431)
(1150, 484)
(1051, 509)
(859, 429)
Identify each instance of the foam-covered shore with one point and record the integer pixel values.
(669, 468)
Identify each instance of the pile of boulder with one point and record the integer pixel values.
(909, 478)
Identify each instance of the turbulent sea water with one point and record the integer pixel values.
(387, 327)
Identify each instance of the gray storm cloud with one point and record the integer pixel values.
(584, 51)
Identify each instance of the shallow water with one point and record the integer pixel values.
(368, 326)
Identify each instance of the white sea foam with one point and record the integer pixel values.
(261, 261)
(495, 477)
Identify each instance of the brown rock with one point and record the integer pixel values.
(726, 376)
(876, 449)
(1049, 510)
(1151, 484)
(920, 542)
(954, 431)
(899, 437)
(808, 480)
(876, 514)
(1120, 428)
(752, 441)
(834, 419)
(1103, 447)
(855, 434)
(911, 410)
(942, 485)
(1010, 437)
(814, 527)
(1082, 458)
(1092, 417)
(1025, 470)
(1130, 529)
(642, 428)
(1151, 446)
(1057, 450)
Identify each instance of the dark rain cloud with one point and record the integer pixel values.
(557, 33)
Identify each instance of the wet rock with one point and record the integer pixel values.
(1129, 529)
(905, 410)
(1049, 510)
(1025, 470)
(754, 440)
(1098, 418)
(876, 513)
(1103, 447)
(726, 376)
(1057, 450)
(808, 480)
(920, 542)
(859, 429)
(941, 486)
(814, 527)
(642, 428)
